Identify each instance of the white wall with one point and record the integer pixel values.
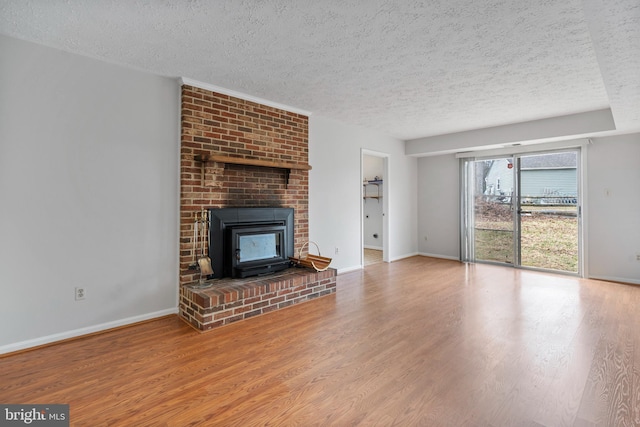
(534, 132)
(89, 157)
(438, 206)
(335, 191)
(89, 176)
(612, 210)
(613, 185)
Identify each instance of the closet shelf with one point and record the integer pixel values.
(377, 183)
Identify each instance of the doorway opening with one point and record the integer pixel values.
(374, 220)
(523, 210)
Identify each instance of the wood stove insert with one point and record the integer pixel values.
(246, 242)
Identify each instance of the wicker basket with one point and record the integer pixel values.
(317, 262)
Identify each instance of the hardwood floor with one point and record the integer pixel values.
(418, 342)
(372, 256)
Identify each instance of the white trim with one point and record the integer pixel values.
(218, 89)
(616, 279)
(398, 258)
(584, 214)
(386, 197)
(349, 269)
(22, 345)
(452, 258)
(512, 149)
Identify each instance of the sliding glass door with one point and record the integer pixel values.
(548, 211)
(489, 216)
(522, 210)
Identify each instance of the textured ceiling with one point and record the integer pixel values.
(405, 67)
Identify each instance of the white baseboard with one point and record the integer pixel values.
(616, 279)
(453, 258)
(22, 345)
(399, 257)
(349, 269)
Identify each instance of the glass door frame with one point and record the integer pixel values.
(467, 216)
(467, 238)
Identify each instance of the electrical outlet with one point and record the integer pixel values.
(80, 294)
(638, 257)
(425, 238)
(336, 249)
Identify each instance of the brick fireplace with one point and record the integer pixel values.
(238, 153)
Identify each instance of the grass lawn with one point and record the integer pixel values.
(547, 241)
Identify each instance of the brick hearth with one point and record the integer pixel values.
(231, 300)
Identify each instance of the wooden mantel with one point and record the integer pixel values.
(287, 166)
